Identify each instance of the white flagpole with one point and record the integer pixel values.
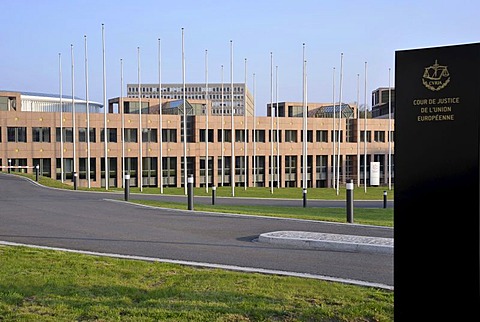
(73, 117)
(334, 153)
(389, 131)
(122, 113)
(278, 130)
(245, 127)
(271, 123)
(206, 114)
(105, 107)
(140, 143)
(304, 122)
(184, 118)
(254, 136)
(365, 133)
(358, 130)
(160, 113)
(61, 116)
(339, 122)
(223, 134)
(232, 167)
(88, 114)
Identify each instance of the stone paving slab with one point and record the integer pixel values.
(333, 242)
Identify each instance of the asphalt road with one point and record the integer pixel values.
(104, 223)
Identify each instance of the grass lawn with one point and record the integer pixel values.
(46, 285)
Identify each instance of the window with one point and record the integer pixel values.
(149, 135)
(190, 130)
(290, 136)
(309, 136)
(275, 136)
(369, 136)
(130, 135)
(111, 135)
(379, 136)
(82, 135)
(17, 134)
(337, 136)
(240, 136)
(392, 136)
(169, 170)
(260, 136)
(149, 171)
(40, 134)
(83, 168)
(202, 135)
(224, 167)
(67, 134)
(290, 170)
(321, 169)
(44, 167)
(67, 168)
(322, 136)
(169, 135)
(227, 137)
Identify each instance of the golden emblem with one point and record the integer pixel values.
(436, 77)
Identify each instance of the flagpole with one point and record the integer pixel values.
(254, 136)
(105, 106)
(88, 114)
(334, 153)
(278, 130)
(122, 113)
(365, 134)
(271, 123)
(160, 112)
(389, 131)
(206, 113)
(358, 130)
(245, 124)
(232, 161)
(339, 122)
(184, 118)
(61, 115)
(140, 143)
(304, 124)
(223, 135)
(73, 118)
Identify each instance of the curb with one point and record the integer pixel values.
(331, 242)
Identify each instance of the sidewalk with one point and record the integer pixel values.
(332, 242)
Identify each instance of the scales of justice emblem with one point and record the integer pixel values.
(436, 77)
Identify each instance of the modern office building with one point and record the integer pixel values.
(243, 150)
(383, 102)
(220, 95)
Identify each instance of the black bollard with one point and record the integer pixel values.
(350, 201)
(9, 165)
(385, 199)
(304, 198)
(190, 192)
(214, 194)
(127, 186)
(75, 181)
(37, 170)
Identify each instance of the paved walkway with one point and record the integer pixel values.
(334, 242)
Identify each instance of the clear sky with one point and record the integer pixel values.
(34, 33)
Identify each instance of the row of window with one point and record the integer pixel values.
(170, 174)
(134, 89)
(193, 97)
(42, 134)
